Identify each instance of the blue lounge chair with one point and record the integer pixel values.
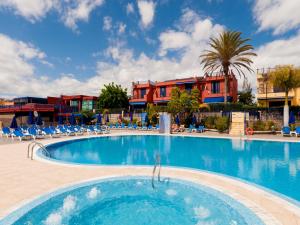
(297, 131)
(18, 133)
(104, 129)
(286, 131)
(72, 130)
(92, 130)
(200, 129)
(6, 132)
(62, 130)
(50, 132)
(192, 128)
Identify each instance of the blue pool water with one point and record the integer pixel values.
(274, 165)
(134, 202)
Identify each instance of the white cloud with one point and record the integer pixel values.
(147, 11)
(70, 11)
(173, 40)
(192, 33)
(107, 23)
(277, 15)
(32, 10)
(122, 28)
(79, 11)
(279, 52)
(129, 8)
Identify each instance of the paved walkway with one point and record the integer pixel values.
(22, 179)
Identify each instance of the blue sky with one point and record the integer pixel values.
(52, 47)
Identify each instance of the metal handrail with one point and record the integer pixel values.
(157, 164)
(32, 145)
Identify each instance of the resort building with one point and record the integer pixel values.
(269, 96)
(211, 89)
(5, 102)
(48, 108)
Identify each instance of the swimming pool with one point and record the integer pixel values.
(133, 201)
(274, 165)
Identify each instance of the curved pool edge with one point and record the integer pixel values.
(41, 157)
(249, 212)
(279, 200)
(269, 218)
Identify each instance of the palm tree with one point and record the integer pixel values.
(285, 78)
(228, 51)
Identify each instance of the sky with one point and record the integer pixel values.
(54, 47)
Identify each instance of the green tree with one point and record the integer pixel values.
(152, 112)
(113, 96)
(246, 97)
(287, 78)
(174, 105)
(228, 51)
(183, 102)
(88, 116)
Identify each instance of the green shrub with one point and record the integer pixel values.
(209, 122)
(264, 125)
(222, 123)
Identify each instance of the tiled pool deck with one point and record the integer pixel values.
(22, 180)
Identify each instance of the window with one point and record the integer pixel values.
(87, 105)
(215, 87)
(143, 92)
(278, 89)
(163, 92)
(188, 87)
(74, 103)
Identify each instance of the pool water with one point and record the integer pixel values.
(274, 165)
(133, 201)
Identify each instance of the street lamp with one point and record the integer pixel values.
(265, 80)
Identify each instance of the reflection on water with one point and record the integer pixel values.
(274, 165)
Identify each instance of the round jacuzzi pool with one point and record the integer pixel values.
(133, 201)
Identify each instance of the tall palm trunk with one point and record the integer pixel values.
(226, 74)
(286, 102)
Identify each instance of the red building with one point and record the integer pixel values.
(211, 90)
(49, 108)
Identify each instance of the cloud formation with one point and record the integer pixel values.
(277, 15)
(188, 37)
(147, 12)
(70, 11)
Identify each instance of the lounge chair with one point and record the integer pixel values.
(297, 131)
(50, 132)
(18, 133)
(75, 130)
(91, 130)
(6, 132)
(64, 131)
(192, 128)
(286, 131)
(104, 129)
(200, 129)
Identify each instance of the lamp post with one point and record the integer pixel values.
(265, 80)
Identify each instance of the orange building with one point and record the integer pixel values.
(211, 89)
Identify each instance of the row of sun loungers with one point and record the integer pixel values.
(34, 132)
(133, 127)
(286, 131)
